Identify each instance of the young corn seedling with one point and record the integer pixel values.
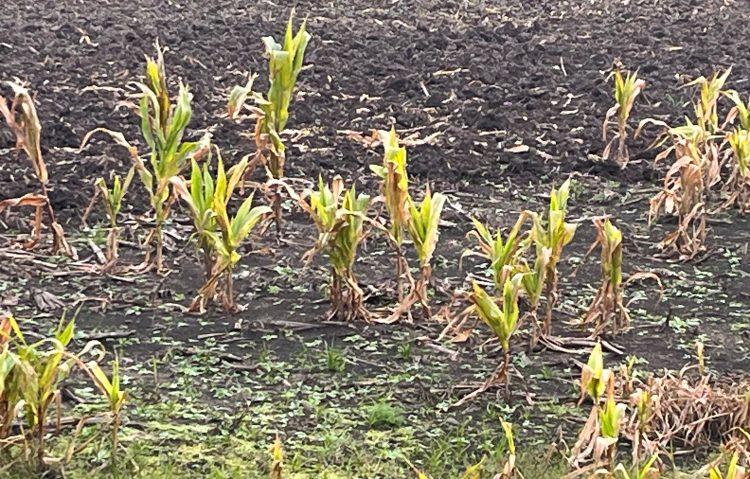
(533, 282)
(36, 371)
(627, 88)
(272, 111)
(607, 306)
(706, 109)
(22, 119)
(740, 109)
(554, 235)
(609, 425)
(114, 395)
(738, 184)
(10, 399)
(499, 251)
(395, 191)
(734, 469)
(277, 459)
(647, 471)
(199, 196)
(599, 435)
(340, 223)
(509, 468)
(163, 125)
(502, 321)
(230, 232)
(113, 203)
(423, 225)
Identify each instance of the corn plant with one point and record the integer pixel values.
(230, 232)
(423, 224)
(599, 435)
(738, 185)
(10, 399)
(113, 203)
(740, 109)
(199, 196)
(499, 251)
(706, 110)
(22, 119)
(733, 471)
(163, 126)
(339, 217)
(395, 191)
(33, 373)
(509, 468)
(114, 395)
(647, 471)
(594, 377)
(609, 423)
(607, 306)
(554, 234)
(533, 282)
(277, 459)
(627, 88)
(272, 111)
(501, 320)
(684, 194)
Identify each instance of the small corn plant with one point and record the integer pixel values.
(199, 196)
(501, 320)
(594, 378)
(114, 395)
(534, 280)
(163, 126)
(740, 110)
(609, 425)
(607, 306)
(734, 470)
(272, 111)
(113, 203)
(10, 398)
(339, 217)
(33, 373)
(423, 226)
(395, 191)
(599, 435)
(554, 235)
(627, 88)
(646, 471)
(499, 251)
(22, 119)
(706, 108)
(509, 468)
(277, 459)
(738, 184)
(230, 232)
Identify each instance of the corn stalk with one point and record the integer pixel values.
(627, 88)
(21, 117)
(228, 233)
(395, 191)
(607, 306)
(113, 203)
(554, 235)
(499, 251)
(684, 193)
(340, 223)
(738, 185)
(272, 111)
(502, 321)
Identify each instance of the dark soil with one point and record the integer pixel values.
(473, 79)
